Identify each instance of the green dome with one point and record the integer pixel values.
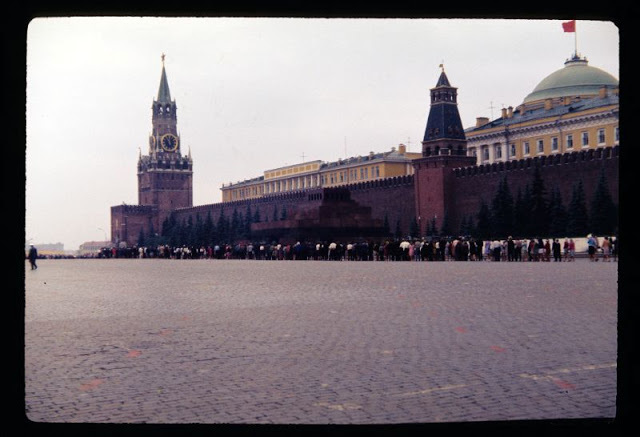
(577, 78)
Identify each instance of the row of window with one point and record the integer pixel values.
(302, 182)
(555, 145)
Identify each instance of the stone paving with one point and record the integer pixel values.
(318, 342)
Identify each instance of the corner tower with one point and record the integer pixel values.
(444, 148)
(165, 174)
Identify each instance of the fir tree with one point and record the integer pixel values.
(141, 239)
(413, 228)
(432, 228)
(577, 216)
(208, 230)
(502, 210)
(558, 215)
(445, 230)
(248, 219)
(222, 228)
(483, 227)
(398, 233)
(234, 229)
(539, 206)
(603, 214)
(387, 228)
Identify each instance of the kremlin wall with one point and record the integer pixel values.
(375, 196)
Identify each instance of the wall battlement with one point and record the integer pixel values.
(539, 161)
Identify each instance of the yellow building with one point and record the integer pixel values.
(316, 174)
(574, 108)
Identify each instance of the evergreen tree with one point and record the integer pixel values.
(446, 230)
(413, 228)
(521, 213)
(234, 229)
(198, 232)
(141, 239)
(398, 233)
(432, 229)
(502, 210)
(558, 215)
(539, 206)
(222, 229)
(387, 228)
(603, 214)
(256, 215)
(189, 235)
(577, 216)
(248, 219)
(208, 230)
(276, 217)
(483, 227)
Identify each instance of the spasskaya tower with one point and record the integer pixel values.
(165, 174)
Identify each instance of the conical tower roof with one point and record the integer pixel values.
(164, 95)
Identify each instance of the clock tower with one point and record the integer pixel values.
(165, 174)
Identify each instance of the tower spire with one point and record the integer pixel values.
(164, 95)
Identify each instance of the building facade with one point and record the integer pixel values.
(575, 108)
(395, 193)
(319, 174)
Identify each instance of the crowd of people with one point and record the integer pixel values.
(433, 249)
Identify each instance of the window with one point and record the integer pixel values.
(512, 150)
(585, 139)
(525, 148)
(601, 137)
(616, 134)
(485, 153)
(540, 146)
(570, 141)
(498, 151)
(554, 144)
(377, 171)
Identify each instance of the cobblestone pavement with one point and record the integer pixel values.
(313, 342)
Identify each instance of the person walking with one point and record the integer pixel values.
(606, 249)
(592, 244)
(33, 256)
(572, 250)
(557, 252)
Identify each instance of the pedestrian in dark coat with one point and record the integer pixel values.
(557, 250)
(33, 256)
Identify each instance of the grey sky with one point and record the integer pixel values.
(255, 94)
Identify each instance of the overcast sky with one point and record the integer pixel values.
(255, 94)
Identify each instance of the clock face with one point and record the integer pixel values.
(169, 142)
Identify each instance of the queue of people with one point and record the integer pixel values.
(432, 249)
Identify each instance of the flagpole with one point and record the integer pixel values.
(575, 36)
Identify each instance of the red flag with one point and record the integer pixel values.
(569, 26)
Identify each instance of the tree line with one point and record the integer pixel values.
(536, 211)
(533, 211)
